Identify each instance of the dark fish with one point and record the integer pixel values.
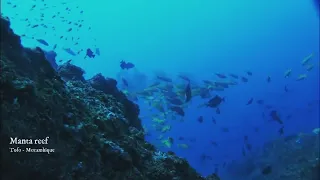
(218, 111)
(249, 73)
(215, 144)
(69, 51)
(215, 101)
(222, 76)
(281, 131)
(166, 79)
(188, 93)
(245, 138)
(178, 110)
(204, 93)
(286, 88)
(98, 51)
(224, 164)
(205, 157)
(55, 46)
(34, 26)
(234, 76)
(125, 82)
(267, 170)
(250, 101)
(216, 170)
(41, 41)
(70, 29)
(225, 129)
(181, 138)
(268, 79)
(260, 101)
(274, 115)
(268, 106)
(244, 79)
(89, 53)
(200, 119)
(243, 152)
(184, 78)
(175, 101)
(248, 146)
(125, 65)
(214, 120)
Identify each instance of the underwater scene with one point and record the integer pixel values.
(160, 90)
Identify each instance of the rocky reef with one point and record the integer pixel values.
(89, 129)
(292, 157)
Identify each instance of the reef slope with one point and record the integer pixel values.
(93, 128)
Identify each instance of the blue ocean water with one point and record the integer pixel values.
(198, 39)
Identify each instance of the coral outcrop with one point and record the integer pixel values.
(292, 157)
(90, 130)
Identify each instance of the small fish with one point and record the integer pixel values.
(89, 53)
(309, 67)
(281, 131)
(286, 88)
(244, 79)
(234, 76)
(301, 77)
(225, 129)
(188, 93)
(181, 138)
(216, 170)
(245, 138)
(250, 101)
(268, 79)
(222, 76)
(69, 51)
(248, 146)
(125, 65)
(125, 82)
(200, 119)
(260, 101)
(215, 101)
(41, 41)
(215, 144)
(249, 73)
(165, 79)
(218, 111)
(178, 110)
(34, 26)
(287, 73)
(70, 29)
(54, 47)
(243, 152)
(274, 115)
(214, 120)
(306, 59)
(184, 78)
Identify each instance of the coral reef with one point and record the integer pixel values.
(92, 129)
(292, 157)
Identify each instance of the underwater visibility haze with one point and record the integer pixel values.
(216, 81)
